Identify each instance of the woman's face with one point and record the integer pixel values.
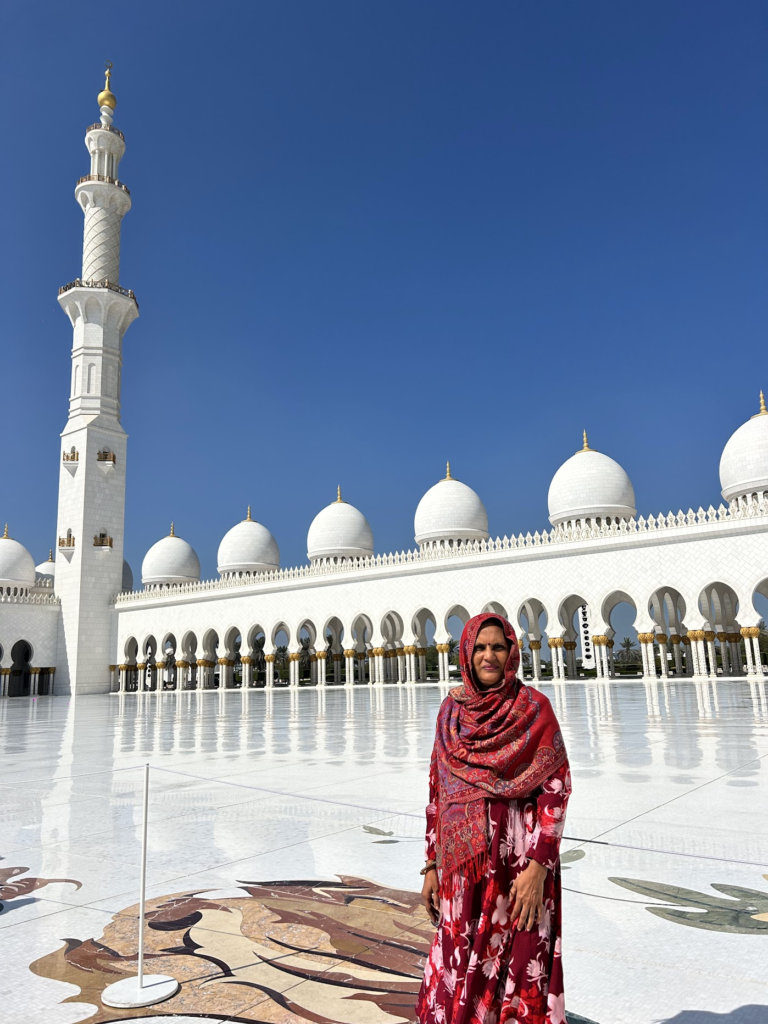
(490, 655)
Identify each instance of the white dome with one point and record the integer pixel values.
(127, 581)
(46, 570)
(248, 547)
(450, 512)
(339, 531)
(17, 566)
(171, 560)
(744, 462)
(590, 485)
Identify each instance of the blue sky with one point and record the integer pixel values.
(369, 237)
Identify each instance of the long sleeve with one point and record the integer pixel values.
(430, 840)
(551, 805)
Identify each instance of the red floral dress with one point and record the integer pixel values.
(480, 970)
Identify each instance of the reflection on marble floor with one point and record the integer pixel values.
(666, 913)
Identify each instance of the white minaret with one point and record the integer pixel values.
(91, 514)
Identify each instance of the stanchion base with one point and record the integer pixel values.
(126, 993)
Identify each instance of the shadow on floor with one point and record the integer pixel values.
(752, 1014)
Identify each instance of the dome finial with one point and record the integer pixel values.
(585, 447)
(5, 534)
(172, 534)
(339, 499)
(448, 471)
(106, 97)
(50, 554)
(763, 410)
(248, 517)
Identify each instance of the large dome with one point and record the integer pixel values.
(17, 566)
(127, 580)
(590, 486)
(744, 462)
(171, 560)
(248, 547)
(46, 570)
(450, 513)
(339, 531)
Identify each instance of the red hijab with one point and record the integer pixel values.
(503, 742)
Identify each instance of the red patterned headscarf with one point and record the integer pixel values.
(503, 742)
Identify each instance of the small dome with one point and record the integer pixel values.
(450, 513)
(169, 561)
(127, 582)
(744, 462)
(248, 547)
(590, 485)
(17, 566)
(339, 531)
(46, 570)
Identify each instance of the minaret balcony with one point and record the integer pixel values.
(67, 546)
(118, 289)
(107, 461)
(101, 127)
(102, 541)
(71, 460)
(107, 181)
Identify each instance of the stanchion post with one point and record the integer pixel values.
(155, 988)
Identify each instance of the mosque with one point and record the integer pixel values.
(75, 624)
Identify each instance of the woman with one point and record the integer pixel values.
(498, 788)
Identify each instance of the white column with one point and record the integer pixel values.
(709, 639)
(535, 647)
(349, 667)
(270, 667)
(321, 658)
(421, 653)
(734, 650)
(662, 641)
(410, 664)
(247, 666)
(724, 653)
(756, 653)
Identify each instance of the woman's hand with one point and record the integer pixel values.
(527, 894)
(430, 895)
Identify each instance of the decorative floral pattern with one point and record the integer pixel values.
(480, 969)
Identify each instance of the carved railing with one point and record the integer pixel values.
(80, 283)
(102, 541)
(106, 179)
(630, 528)
(66, 542)
(105, 457)
(31, 598)
(105, 128)
(70, 457)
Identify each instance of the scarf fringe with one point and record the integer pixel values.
(471, 870)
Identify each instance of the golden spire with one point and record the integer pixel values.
(586, 447)
(763, 410)
(339, 499)
(448, 471)
(172, 534)
(106, 97)
(5, 534)
(248, 517)
(50, 554)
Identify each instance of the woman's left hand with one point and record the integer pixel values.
(527, 894)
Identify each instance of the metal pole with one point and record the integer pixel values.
(143, 883)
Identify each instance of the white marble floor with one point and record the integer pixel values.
(666, 902)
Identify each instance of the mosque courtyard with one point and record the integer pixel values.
(285, 841)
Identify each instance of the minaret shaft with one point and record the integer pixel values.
(91, 513)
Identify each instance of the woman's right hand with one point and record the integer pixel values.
(430, 895)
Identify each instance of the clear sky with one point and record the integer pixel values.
(370, 237)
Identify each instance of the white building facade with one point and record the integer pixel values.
(351, 617)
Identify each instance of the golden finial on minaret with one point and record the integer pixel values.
(763, 410)
(339, 499)
(50, 554)
(248, 517)
(448, 471)
(172, 534)
(5, 534)
(106, 97)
